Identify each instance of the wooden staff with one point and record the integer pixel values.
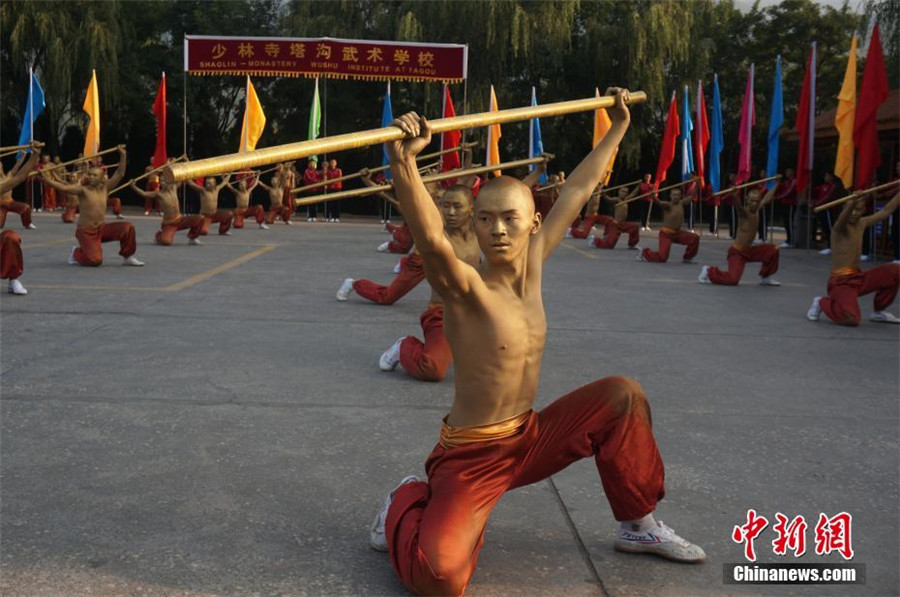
(433, 178)
(617, 187)
(294, 151)
(671, 186)
(752, 183)
(5, 151)
(146, 174)
(854, 195)
(75, 161)
(255, 173)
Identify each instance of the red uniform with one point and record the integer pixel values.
(429, 360)
(435, 530)
(90, 251)
(222, 217)
(613, 230)
(412, 272)
(739, 256)
(311, 176)
(17, 207)
(582, 229)
(166, 234)
(332, 174)
(846, 285)
(667, 236)
(253, 211)
(116, 204)
(11, 263)
(68, 216)
(403, 240)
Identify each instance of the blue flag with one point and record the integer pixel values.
(33, 109)
(535, 144)
(716, 140)
(687, 150)
(776, 120)
(387, 117)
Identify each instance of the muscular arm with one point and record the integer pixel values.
(883, 213)
(193, 185)
(18, 174)
(224, 182)
(116, 178)
(142, 193)
(18, 165)
(769, 197)
(841, 221)
(533, 177)
(584, 179)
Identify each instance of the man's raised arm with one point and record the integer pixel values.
(883, 213)
(579, 186)
(141, 192)
(18, 173)
(116, 178)
(449, 276)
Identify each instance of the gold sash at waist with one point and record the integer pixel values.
(667, 230)
(844, 271)
(452, 437)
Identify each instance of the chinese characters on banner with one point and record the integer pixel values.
(324, 57)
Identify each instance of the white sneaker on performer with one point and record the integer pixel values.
(120, 217)
(15, 287)
(769, 281)
(390, 358)
(814, 310)
(635, 248)
(146, 213)
(132, 260)
(263, 226)
(864, 258)
(568, 233)
(703, 278)
(397, 267)
(649, 229)
(72, 256)
(345, 289)
(825, 251)
(640, 256)
(289, 223)
(31, 227)
(590, 240)
(226, 233)
(383, 247)
(376, 533)
(661, 541)
(784, 245)
(194, 241)
(877, 316)
(758, 242)
(337, 220)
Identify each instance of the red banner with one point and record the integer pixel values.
(368, 60)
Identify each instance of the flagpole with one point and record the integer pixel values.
(184, 135)
(31, 120)
(325, 134)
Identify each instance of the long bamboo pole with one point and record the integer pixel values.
(75, 161)
(433, 178)
(752, 183)
(294, 151)
(617, 187)
(671, 186)
(428, 156)
(856, 194)
(5, 151)
(145, 175)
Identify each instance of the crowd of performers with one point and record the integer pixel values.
(481, 245)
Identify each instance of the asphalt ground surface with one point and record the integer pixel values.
(215, 423)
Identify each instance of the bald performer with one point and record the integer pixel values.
(243, 209)
(492, 441)
(617, 225)
(743, 251)
(276, 196)
(209, 204)
(848, 282)
(91, 230)
(672, 230)
(166, 197)
(10, 180)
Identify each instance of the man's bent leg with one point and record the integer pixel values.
(411, 274)
(883, 281)
(842, 303)
(731, 276)
(691, 242)
(89, 252)
(122, 232)
(428, 361)
(768, 255)
(11, 263)
(662, 255)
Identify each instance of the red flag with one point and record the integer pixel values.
(701, 132)
(667, 151)
(872, 93)
(803, 124)
(745, 132)
(449, 161)
(159, 108)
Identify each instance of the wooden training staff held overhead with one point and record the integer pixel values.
(619, 186)
(75, 161)
(433, 178)
(671, 186)
(856, 194)
(5, 151)
(294, 151)
(146, 174)
(745, 185)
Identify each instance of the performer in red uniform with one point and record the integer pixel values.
(617, 225)
(11, 263)
(644, 187)
(311, 176)
(333, 208)
(582, 227)
(672, 231)
(8, 181)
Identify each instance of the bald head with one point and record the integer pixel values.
(511, 192)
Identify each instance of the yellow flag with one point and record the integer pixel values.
(844, 120)
(254, 120)
(493, 144)
(92, 109)
(602, 124)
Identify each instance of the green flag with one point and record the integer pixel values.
(315, 118)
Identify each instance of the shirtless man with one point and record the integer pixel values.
(91, 230)
(492, 441)
(617, 225)
(209, 205)
(243, 209)
(583, 227)
(847, 281)
(8, 181)
(276, 194)
(743, 251)
(11, 262)
(671, 231)
(166, 197)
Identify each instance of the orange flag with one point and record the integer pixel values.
(92, 109)
(843, 121)
(602, 124)
(493, 143)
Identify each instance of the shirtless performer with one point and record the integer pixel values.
(8, 181)
(583, 228)
(166, 197)
(91, 229)
(11, 262)
(243, 209)
(847, 281)
(743, 251)
(209, 205)
(617, 225)
(492, 441)
(276, 195)
(672, 231)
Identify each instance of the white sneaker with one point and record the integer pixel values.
(769, 281)
(391, 357)
(194, 241)
(703, 278)
(345, 289)
(784, 245)
(590, 240)
(263, 226)
(877, 316)
(825, 251)
(226, 233)
(649, 229)
(568, 233)
(814, 310)
(376, 533)
(397, 267)
(309, 220)
(709, 235)
(146, 213)
(31, 227)
(15, 287)
(133, 261)
(120, 217)
(337, 220)
(635, 248)
(758, 242)
(72, 256)
(662, 541)
(383, 247)
(289, 223)
(640, 256)
(864, 258)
